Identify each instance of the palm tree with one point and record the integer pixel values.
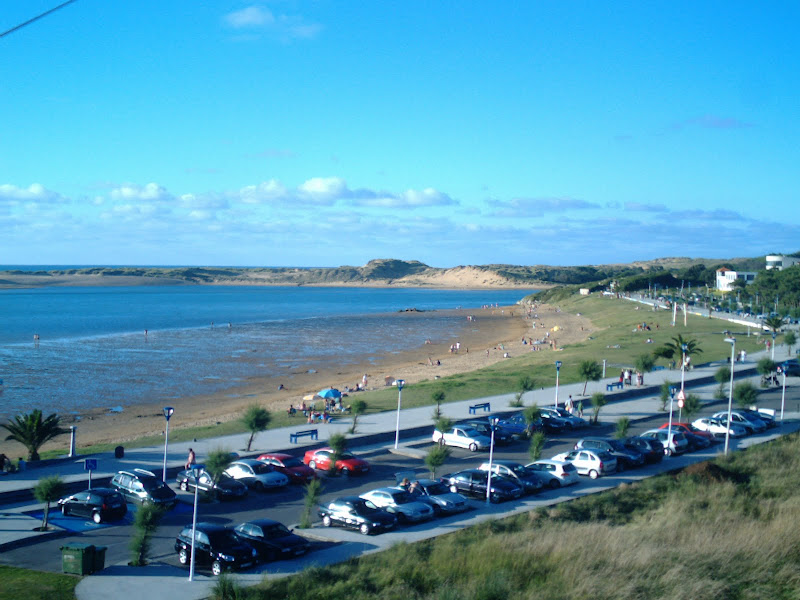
(256, 419)
(436, 457)
(790, 339)
(599, 400)
(623, 425)
(32, 431)
(359, 407)
(49, 489)
(590, 370)
(774, 323)
(679, 342)
(217, 461)
(531, 414)
(438, 398)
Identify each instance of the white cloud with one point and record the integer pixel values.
(36, 192)
(537, 207)
(323, 189)
(150, 191)
(260, 19)
(252, 16)
(266, 191)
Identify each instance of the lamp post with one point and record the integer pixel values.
(672, 391)
(168, 412)
(558, 368)
(196, 475)
(774, 335)
(732, 342)
(783, 392)
(492, 425)
(400, 383)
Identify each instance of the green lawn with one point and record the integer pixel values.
(23, 584)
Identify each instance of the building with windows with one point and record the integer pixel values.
(781, 262)
(726, 277)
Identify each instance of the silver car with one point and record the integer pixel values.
(439, 496)
(556, 473)
(398, 501)
(589, 462)
(674, 443)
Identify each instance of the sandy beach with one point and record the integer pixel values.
(490, 329)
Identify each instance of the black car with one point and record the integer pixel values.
(272, 540)
(529, 479)
(227, 488)
(357, 513)
(502, 436)
(791, 367)
(143, 486)
(652, 450)
(696, 442)
(98, 504)
(626, 457)
(552, 423)
(217, 546)
(474, 482)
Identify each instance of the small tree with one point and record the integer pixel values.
(722, 376)
(33, 431)
(677, 344)
(644, 364)
(590, 370)
(665, 394)
(227, 588)
(256, 419)
(664, 352)
(47, 490)
(598, 401)
(357, 408)
(691, 406)
(538, 440)
(337, 443)
(436, 457)
(443, 424)
(147, 519)
(531, 414)
(217, 461)
(745, 394)
(438, 398)
(765, 368)
(623, 425)
(790, 339)
(313, 492)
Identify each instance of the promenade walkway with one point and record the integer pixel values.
(375, 432)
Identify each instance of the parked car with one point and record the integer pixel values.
(98, 504)
(555, 473)
(530, 481)
(651, 449)
(227, 488)
(552, 423)
(473, 482)
(574, 421)
(593, 463)
(439, 496)
(142, 487)
(688, 428)
(272, 540)
(518, 427)
(626, 457)
(751, 424)
(256, 474)
(398, 501)
(763, 415)
(347, 464)
(696, 442)
(216, 546)
(718, 427)
(791, 367)
(461, 437)
(292, 467)
(357, 513)
(674, 443)
(502, 436)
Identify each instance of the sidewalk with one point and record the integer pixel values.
(375, 430)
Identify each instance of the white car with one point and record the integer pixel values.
(256, 474)
(555, 473)
(398, 501)
(589, 462)
(462, 437)
(748, 422)
(718, 427)
(674, 443)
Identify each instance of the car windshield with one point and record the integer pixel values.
(223, 536)
(518, 469)
(470, 432)
(278, 530)
(292, 462)
(262, 468)
(364, 507)
(346, 456)
(436, 489)
(153, 484)
(402, 497)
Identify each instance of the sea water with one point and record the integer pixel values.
(92, 351)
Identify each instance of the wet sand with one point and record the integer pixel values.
(490, 329)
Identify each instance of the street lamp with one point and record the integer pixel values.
(400, 383)
(783, 392)
(774, 335)
(672, 391)
(492, 425)
(168, 412)
(732, 342)
(558, 368)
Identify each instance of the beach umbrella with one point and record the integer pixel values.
(329, 393)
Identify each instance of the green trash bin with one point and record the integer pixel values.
(77, 559)
(99, 562)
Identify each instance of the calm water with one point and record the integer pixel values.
(93, 352)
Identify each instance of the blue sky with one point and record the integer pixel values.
(325, 133)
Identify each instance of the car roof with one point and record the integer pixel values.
(348, 499)
(505, 462)
(139, 473)
(247, 461)
(548, 461)
(206, 527)
(261, 522)
(101, 491)
(278, 455)
(389, 489)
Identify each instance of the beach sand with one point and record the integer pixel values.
(490, 329)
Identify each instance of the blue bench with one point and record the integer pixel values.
(658, 368)
(613, 384)
(312, 433)
(486, 406)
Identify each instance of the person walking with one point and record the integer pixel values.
(580, 408)
(191, 460)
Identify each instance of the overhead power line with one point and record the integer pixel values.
(36, 18)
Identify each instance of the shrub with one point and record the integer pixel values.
(538, 440)
(49, 489)
(147, 519)
(313, 492)
(436, 457)
(256, 419)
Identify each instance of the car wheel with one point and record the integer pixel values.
(473, 447)
(97, 518)
(184, 486)
(64, 510)
(183, 556)
(668, 451)
(555, 484)
(437, 510)
(493, 499)
(216, 567)
(345, 472)
(326, 521)
(312, 464)
(258, 486)
(364, 529)
(454, 489)
(594, 474)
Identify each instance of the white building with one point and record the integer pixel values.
(725, 277)
(781, 262)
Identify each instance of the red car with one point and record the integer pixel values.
(689, 428)
(290, 466)
(347, 463)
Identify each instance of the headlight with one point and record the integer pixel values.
(226, 557)
(376, 524)
(253, 552)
